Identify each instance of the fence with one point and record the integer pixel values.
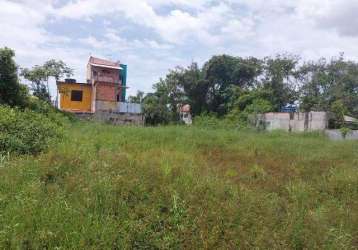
(133, 108)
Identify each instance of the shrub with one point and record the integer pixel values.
(28, 132)
(211, 121)
(45, 108)
(345, 131)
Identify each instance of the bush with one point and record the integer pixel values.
(345, 131)
(211, 121)
(45, 108)
(28, 132)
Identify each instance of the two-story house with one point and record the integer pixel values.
(104, 90)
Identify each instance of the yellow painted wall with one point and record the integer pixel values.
(75, 106)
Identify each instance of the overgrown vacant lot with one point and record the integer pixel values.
(108, 187)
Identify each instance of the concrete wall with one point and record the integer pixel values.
(297, 122)
(113, 118)
(119, 118)
(335, 134)
(125, 107)
(318, 121)
(106, 106)
(121, 107)
(277, 121)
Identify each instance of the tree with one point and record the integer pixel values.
(219, 72)
(339, 110)
(39, 77)
(223, 72)
(155, 110)
(138, 98)
(11, 91)
(170, 92)
(194, 88)
(324, 83)
(280, 77)
(57, 69)
(235, 85)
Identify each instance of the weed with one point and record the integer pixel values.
(106, 187)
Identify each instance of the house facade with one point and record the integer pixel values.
(102, 96)
(104, 89)
(185, 114)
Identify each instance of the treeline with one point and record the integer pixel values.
(228, 86)
(28, 120)
(13, 93)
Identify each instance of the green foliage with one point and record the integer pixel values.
(280, 78)
(39, 77)
(138, 98)
(339, 110)
(155, 111)
(259, 106)
(345, 131)
(222, 73)
(11, 91)
(28, 132)
(213, 122)
(57, 69)
(326, 82)
(228, 85)
(223, 83)
(173, 187)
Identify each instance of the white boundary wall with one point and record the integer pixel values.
(311, 121)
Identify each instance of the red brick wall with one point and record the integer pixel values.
(105, 74)
(106, 92)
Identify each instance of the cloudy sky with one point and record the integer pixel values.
(152, 36)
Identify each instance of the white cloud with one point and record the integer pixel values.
(335, 14)
(176, 31)
(177, 27)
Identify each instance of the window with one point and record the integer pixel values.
(76, 95)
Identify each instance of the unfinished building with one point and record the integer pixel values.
(102, 96)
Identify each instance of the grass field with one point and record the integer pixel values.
(106, 187)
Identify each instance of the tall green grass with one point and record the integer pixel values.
(109, 187)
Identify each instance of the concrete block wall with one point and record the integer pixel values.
(113, 118)
(117, 118)
(106, 106)
(336, 134)
(275, 121)
(318, 121)
(297, 122)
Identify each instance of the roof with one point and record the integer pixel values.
(103, 63)
(185, 108)
(349, 119)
